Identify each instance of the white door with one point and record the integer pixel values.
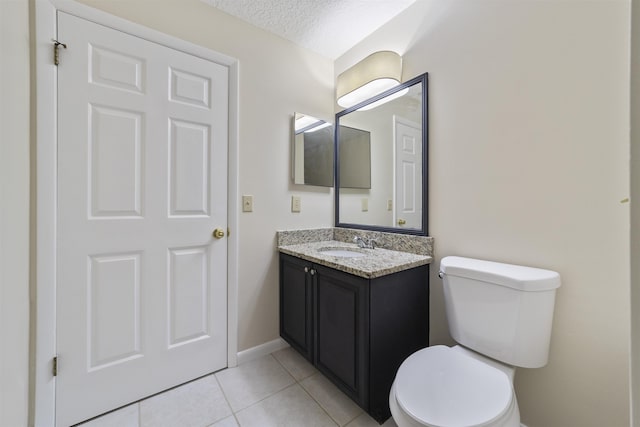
(407, 212)
(142, 183)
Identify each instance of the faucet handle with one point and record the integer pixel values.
(359, 241)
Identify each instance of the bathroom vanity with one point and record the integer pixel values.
(354, 317)
(353, 311)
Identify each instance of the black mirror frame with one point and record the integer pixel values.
(421, 79)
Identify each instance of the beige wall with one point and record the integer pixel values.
(529, 132)
(635, 211)
(529, 160)
(276, 79)
(14, 212)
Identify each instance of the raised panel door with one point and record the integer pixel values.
(142, 182)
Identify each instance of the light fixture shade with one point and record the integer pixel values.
(373, 75)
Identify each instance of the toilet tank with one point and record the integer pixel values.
(503, 311)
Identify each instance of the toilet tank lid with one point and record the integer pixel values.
(528, 279)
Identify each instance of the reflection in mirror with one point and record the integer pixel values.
(395, 200)
(355, 158)
(312, 151)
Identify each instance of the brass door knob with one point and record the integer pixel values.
(401, 222)
(218, 233)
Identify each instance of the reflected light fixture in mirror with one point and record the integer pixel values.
(375, 74)
(305, 123)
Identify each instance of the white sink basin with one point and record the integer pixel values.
(341, 252)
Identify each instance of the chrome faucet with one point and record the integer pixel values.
(365, 243)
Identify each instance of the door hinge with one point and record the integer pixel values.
(56, 54)
(55, 366)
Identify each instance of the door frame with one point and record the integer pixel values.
(44, 190)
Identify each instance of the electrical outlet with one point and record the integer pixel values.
(389, 205)
(247, 203)
(296, 205)
(364, 204)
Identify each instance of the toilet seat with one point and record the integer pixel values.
(438, 386)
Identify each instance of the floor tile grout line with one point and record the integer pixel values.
(321, 407)
(299, 382)
(262, 400)
(326, 410)
(266, 397)
(226, 399)
(291, 373)
(353, 419)
(276, 391)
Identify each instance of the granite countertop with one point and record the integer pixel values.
(375, 263)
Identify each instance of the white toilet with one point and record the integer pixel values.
(501, 316)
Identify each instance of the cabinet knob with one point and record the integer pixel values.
(312, 271)
(306, 269)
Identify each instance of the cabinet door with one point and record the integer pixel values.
(342, 331)
(296, 309)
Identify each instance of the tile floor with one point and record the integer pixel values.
(281, 389)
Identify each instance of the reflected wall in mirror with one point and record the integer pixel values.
(355, 158)
(312, 151)
(396, 199)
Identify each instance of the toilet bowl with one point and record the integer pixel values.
(501, 316)
(445, 387)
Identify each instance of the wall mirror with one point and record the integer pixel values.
(396, 198)
(312, 153)
(313, 157)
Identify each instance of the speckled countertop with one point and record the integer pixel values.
(376, 262)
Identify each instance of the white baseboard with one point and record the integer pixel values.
(261, 350)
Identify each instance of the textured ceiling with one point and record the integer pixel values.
(328, 27)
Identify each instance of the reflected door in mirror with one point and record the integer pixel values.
(407, 174)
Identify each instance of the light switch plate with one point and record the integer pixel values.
(296, 204)
(365, 204)
(247, 203)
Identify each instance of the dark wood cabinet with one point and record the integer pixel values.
(341, 320)
(296, 309)
(356, 331)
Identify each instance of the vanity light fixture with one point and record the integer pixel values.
(376, 73)
(384, 100)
